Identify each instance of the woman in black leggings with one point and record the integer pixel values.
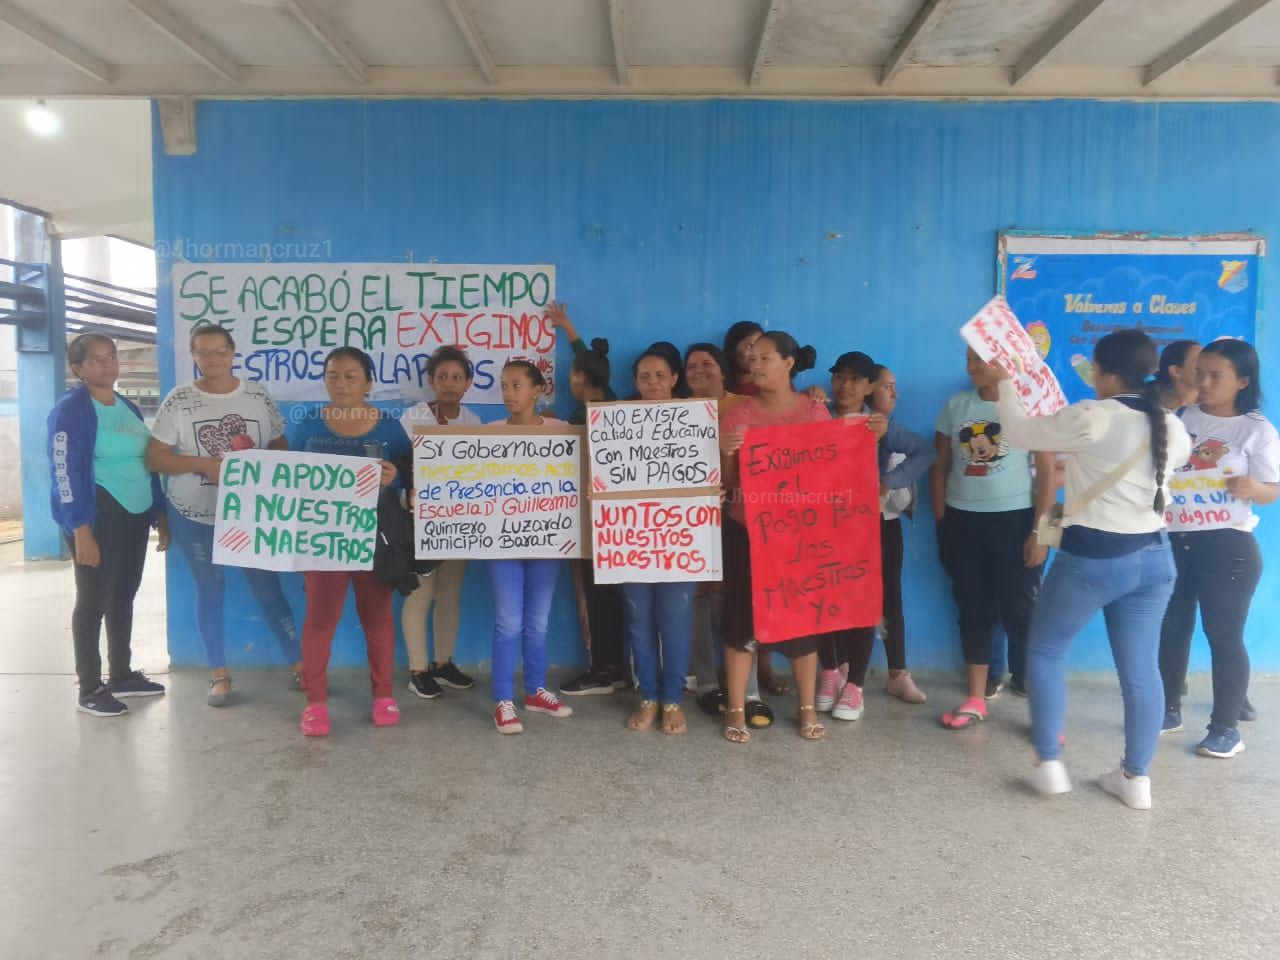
(106, 502)
(1235, 463)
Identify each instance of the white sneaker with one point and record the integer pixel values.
(1050, 778)
(1133, 792)
(828, 687)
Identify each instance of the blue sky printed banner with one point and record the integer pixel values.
(1071, 291)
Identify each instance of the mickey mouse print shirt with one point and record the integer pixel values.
(987, 475)
(201, 424)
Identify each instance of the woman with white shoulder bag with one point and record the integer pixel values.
(1114, 555)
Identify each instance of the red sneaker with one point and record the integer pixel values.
(506, 719)
(386, 713)
(544, 701)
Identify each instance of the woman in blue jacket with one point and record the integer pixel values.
(106, 501)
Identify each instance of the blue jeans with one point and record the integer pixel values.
(1132, 592)
(522, 592)
(666, 609)
(195, 541)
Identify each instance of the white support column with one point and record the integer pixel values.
(465, 21)
(929, 13)
(1201, 37)
(1049, 41)
(765, 41)
(617, 32)
(331, 37)
(55, 42)
(188, 36)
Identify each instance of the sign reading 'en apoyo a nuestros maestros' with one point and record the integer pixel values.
(286, 510)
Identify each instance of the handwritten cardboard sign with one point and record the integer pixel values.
(811, 493)
(666, 445)
(1199, 500)
(285, 510)
(656, 539)
(286, 317)
(499, 492)
(996, 336)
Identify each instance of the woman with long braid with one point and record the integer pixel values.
(1114, 556)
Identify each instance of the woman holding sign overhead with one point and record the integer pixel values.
(349, 425)
(659, 615)
(522, 589)
(1235, 458)
(197, 424)
(1113, 557)
(774, 360)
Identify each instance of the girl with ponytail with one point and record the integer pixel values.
(1114, 557)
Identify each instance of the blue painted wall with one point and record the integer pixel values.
(866, 225)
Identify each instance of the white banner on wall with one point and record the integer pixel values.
(285, 317)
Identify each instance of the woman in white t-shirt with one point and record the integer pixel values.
(449, 373)
(197, 424)
(1235, 463)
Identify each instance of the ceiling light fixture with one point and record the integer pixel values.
(42, 121)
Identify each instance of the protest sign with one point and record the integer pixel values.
(285, 317)
(666, 445)
(811, 494)
(498, 493)
(1200, 500)
(656, 539)
(284, 510)
(655, 494)
(996, 336)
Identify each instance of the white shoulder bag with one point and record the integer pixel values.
(1049, 526)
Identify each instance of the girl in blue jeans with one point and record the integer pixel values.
(659, 615)
(1114, 555)
(522, 589)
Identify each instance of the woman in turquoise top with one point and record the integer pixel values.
(106, 502)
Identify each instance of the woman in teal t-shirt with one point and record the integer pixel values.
(105, 501)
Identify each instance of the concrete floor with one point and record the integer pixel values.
(180, 831)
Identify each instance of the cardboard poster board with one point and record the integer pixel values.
(995, 335)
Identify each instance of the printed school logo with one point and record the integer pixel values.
(1235, 276)
(1207, 453)
(984, 450)
(1024, 268)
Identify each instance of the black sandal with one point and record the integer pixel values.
(759, 714)
(713, 702)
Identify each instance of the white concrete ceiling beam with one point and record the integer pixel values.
(1201, 37)
(187, 36)
(331, 37)
(1050, 40)
(466, 23)
(926, 17)
(56, 43)
(618, 38)
(764, 43)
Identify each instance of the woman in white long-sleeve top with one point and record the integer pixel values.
(1114, 557)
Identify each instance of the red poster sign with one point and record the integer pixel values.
(812, 498)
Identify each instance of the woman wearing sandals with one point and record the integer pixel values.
(350, 425)
(775, 359)
(659, 615)
(1219, 564)
(1114, 556)
(986, 501)
(439, 593)
(198, 424)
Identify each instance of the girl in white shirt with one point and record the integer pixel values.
(1235, 463)
(1114, 557)
(450, 373)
